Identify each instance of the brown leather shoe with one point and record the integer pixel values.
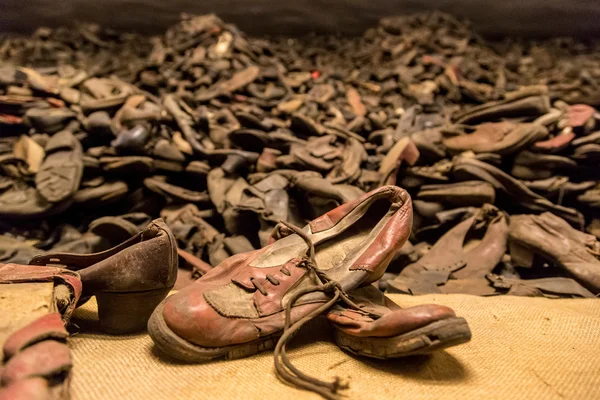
(543, 287)
(554, 241)
(588, 139)
(159, 185)
(381, 329)
(102, 195)
(497, 137)
(469, 250)
(534, 166)
(25, 202)
(558, 186)
(587, 154)
(469, 168)
(128, 280)
(591, 197)
(403, 150)
(60, 173)
(461, 194)
(531, 101)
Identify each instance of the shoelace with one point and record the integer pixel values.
(283, 367)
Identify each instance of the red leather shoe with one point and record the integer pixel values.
(239, 308)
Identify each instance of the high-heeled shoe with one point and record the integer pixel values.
(129, 280)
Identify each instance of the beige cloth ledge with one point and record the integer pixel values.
(522, 348)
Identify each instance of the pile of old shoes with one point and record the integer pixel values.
(463, 239)
(234, 142)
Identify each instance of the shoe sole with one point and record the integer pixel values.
(174, 346)
(435, 336)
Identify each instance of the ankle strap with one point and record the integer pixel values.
(79, 261)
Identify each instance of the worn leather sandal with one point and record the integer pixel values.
(381, 329)
(128, 280)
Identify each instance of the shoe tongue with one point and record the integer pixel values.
(281, 252)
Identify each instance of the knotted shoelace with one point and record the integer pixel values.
(283, 367)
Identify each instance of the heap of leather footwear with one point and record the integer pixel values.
(235, 141)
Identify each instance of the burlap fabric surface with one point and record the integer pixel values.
(529, 348)
(21, 304)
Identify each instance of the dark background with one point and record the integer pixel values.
(493, 18)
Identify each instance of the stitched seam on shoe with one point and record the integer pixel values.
(362, 267)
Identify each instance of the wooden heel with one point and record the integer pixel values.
(520, 255)
(122, 313)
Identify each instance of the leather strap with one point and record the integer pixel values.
(46, 359)
(49, 326)
(26, 389)
(16, 273)
(79, 261)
